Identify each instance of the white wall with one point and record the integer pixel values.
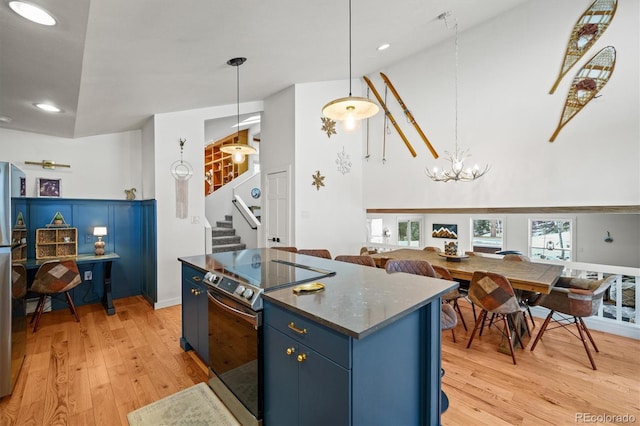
(102, 167)
(506, 117)
(182, 237)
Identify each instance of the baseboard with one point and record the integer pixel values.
(166, 303)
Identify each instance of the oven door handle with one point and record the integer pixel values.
(252, 319)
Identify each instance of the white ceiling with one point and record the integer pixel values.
(111, 64)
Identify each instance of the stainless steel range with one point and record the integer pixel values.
(236, 281)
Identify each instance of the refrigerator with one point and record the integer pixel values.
(13, 326)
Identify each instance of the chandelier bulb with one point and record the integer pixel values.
(238, 157)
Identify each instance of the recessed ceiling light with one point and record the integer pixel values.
(5, 119)
(384, 46)
(32, 12)
(48, 107)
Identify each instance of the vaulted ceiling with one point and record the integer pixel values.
(111, 64)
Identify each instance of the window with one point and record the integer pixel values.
(409, 232)
(551, 239)
(488, 236)
(375, 230)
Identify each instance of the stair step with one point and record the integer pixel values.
(228, 218)
(225, 239)
(222, 232)
(228, 247)
(224, 224)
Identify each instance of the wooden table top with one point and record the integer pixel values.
(538, 277)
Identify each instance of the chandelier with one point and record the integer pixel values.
(456, 170)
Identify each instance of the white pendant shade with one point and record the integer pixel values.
(238, 151)
(350, 107)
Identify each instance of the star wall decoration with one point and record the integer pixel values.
(318, 180)
(328, 126)
(343, 162)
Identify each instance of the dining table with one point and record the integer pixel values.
(527, 276)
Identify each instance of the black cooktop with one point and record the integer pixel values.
(267, 269)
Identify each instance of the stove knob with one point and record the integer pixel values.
(240, 290)
(248, 293)
(209, 276)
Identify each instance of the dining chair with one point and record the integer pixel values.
(448, 317)
(525, 297)
(358, 260)
(53, 278)
(289, 249)
(18, 281)
(316, 253)
(432, 249)
(365, 251)
(571, 300)
(453, 295)
(494, 294)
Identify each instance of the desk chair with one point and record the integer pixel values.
(316, 253)
(358, 260)
(494, 294)
(577, 298)
(55, 277)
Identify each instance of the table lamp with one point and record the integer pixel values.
(99, 231)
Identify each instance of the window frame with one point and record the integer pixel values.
(410, 219)
(572, 239)
(503, 238)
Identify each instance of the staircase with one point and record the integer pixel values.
(224, 238)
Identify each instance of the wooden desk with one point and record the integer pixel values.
(538, 277)
(89, 258)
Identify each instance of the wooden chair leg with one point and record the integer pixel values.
(542, 330)
(507, 330)
(512, 319)
(533, 324)
(586, 329)
(40, 302)
(586, 346)
(453, 335)
(38, 313)
(478, 321)
(72, 307)
(456, 306)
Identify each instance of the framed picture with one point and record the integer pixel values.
(48, 187)
(23, 186)
(444, 231)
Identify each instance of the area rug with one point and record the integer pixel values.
(197, 405)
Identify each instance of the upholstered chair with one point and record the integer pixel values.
(358, 260)
(289, 249)
(527, 298)
(365, 251)
(316, 253)
(18, 281)
(53, 278)
(494, 294)
(432, 248)
(576, 298)
(453, 295)
(417, 267)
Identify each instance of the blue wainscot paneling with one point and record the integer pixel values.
(130, 233)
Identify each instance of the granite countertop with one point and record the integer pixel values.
(356, 301)
(359, 300)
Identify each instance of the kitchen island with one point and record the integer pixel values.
(365, 350)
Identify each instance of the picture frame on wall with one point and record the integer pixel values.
(47, 187)
(440, 230)
(23, 186)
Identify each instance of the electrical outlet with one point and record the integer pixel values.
(88, 238)
(88, 275)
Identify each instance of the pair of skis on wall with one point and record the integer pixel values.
(596, 72)
(406, 111)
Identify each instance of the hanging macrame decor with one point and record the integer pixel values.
(182, 172)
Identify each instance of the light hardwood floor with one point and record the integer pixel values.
(97, 371)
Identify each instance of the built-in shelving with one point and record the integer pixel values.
(218, 167)
(53, 243)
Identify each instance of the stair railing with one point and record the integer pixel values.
(246, 212)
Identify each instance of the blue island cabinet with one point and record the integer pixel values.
(316, 375)
(194, 313)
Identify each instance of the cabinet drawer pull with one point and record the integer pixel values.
(196, 278)
(302, 357)
(293, 327)
(291, 351)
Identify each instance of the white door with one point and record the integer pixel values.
(277, 209)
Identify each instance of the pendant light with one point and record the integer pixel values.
(238, 150)
(456, 172)
(350, 109)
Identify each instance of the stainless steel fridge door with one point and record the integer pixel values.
(5, 204)
(5, 321)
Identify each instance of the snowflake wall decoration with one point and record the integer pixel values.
(318, 180)
(328, 126)
(343, 162)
